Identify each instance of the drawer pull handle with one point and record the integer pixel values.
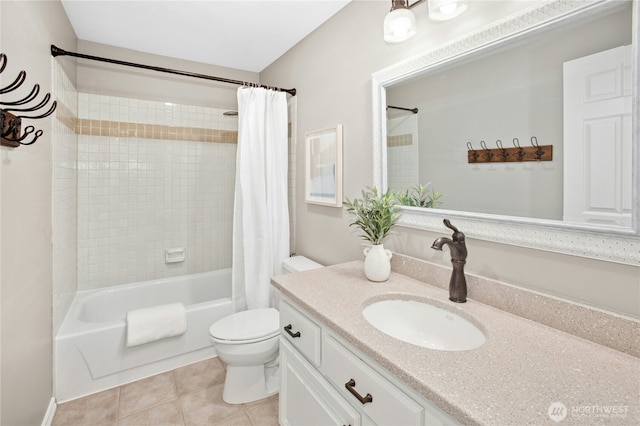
(350, 387)
(287, 328)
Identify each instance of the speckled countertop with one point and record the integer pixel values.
(512, 379)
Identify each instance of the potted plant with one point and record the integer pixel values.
(420, 196)
(375, 214)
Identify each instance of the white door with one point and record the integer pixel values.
(597, 138)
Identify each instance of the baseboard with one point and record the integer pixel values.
(51, 411)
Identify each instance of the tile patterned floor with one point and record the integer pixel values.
(190, 395)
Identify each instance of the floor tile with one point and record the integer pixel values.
(187, 396)
(240, 419)
(199, 376)
(97, 409)
(207, 407)
(146, 393)
(168, 413)
(264, 414)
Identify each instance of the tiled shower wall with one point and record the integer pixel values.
(132, 178)
(152, 176)
(402, 152)
(64, 195)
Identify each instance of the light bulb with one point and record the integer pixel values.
(448, 9)
(442, 10)
(399, 25)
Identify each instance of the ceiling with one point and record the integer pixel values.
(241, 34)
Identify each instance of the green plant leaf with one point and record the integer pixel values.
(375, 214)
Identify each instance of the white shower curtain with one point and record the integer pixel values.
(261, 214)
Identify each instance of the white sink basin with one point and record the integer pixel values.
(424, 325)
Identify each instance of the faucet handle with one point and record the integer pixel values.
(448, 224)
(457, 235)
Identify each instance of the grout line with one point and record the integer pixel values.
(118, 405)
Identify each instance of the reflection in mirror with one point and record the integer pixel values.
(568, 87)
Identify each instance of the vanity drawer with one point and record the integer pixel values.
(300, 331)
(387, 406)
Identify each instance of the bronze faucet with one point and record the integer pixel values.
(458, 249)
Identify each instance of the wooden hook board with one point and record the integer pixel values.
(511, 155)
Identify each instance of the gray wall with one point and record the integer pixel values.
(27, 30)
(332, 69)
(117, 80)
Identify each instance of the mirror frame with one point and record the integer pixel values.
(621, 245)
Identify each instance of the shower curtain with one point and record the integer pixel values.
(261, 215)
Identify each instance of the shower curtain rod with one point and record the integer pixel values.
(56, 51)
(413, 110)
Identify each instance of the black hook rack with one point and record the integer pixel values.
(535, 152)
(10, 123)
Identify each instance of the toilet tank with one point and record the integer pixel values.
(298, 264)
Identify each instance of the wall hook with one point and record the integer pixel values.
(10, 124)
(503, 152)
(31, 96)
(16, 83)
(472, 155)
(538, 152)
(520, 154)
(488, 155)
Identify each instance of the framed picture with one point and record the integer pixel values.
(323, 166)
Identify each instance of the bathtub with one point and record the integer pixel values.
(90, 349)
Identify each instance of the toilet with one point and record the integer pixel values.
(248, 342)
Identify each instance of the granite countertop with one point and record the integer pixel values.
(512, 379)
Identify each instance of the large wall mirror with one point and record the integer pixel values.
(561, 75)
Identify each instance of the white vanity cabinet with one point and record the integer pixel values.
(324, 380)
(306, 398)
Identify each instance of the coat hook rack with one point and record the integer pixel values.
(10, 123)
(535, 152)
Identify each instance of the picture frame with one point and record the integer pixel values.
(323, 166)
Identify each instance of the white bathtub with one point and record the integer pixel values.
(90, 348)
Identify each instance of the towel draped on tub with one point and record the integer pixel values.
(157, 322)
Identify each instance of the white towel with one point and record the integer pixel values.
(155, 323)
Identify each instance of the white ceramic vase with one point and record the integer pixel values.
(377, 263)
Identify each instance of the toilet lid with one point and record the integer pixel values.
(247, 325)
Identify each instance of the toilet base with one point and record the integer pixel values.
(244, 383)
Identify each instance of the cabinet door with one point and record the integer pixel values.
(306, 398)
(378, 399)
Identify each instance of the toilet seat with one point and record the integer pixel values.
(250, 326)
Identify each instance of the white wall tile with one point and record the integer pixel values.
(138, 197)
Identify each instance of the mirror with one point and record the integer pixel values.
(477, 94)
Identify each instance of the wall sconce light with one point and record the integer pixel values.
(400, 22)
(442, 10)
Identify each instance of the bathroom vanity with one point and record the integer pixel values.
(336, 368)
(326, 379)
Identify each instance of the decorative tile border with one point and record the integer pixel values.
(153, 131)
(65, 116)
(90, 127)
(400, 140)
